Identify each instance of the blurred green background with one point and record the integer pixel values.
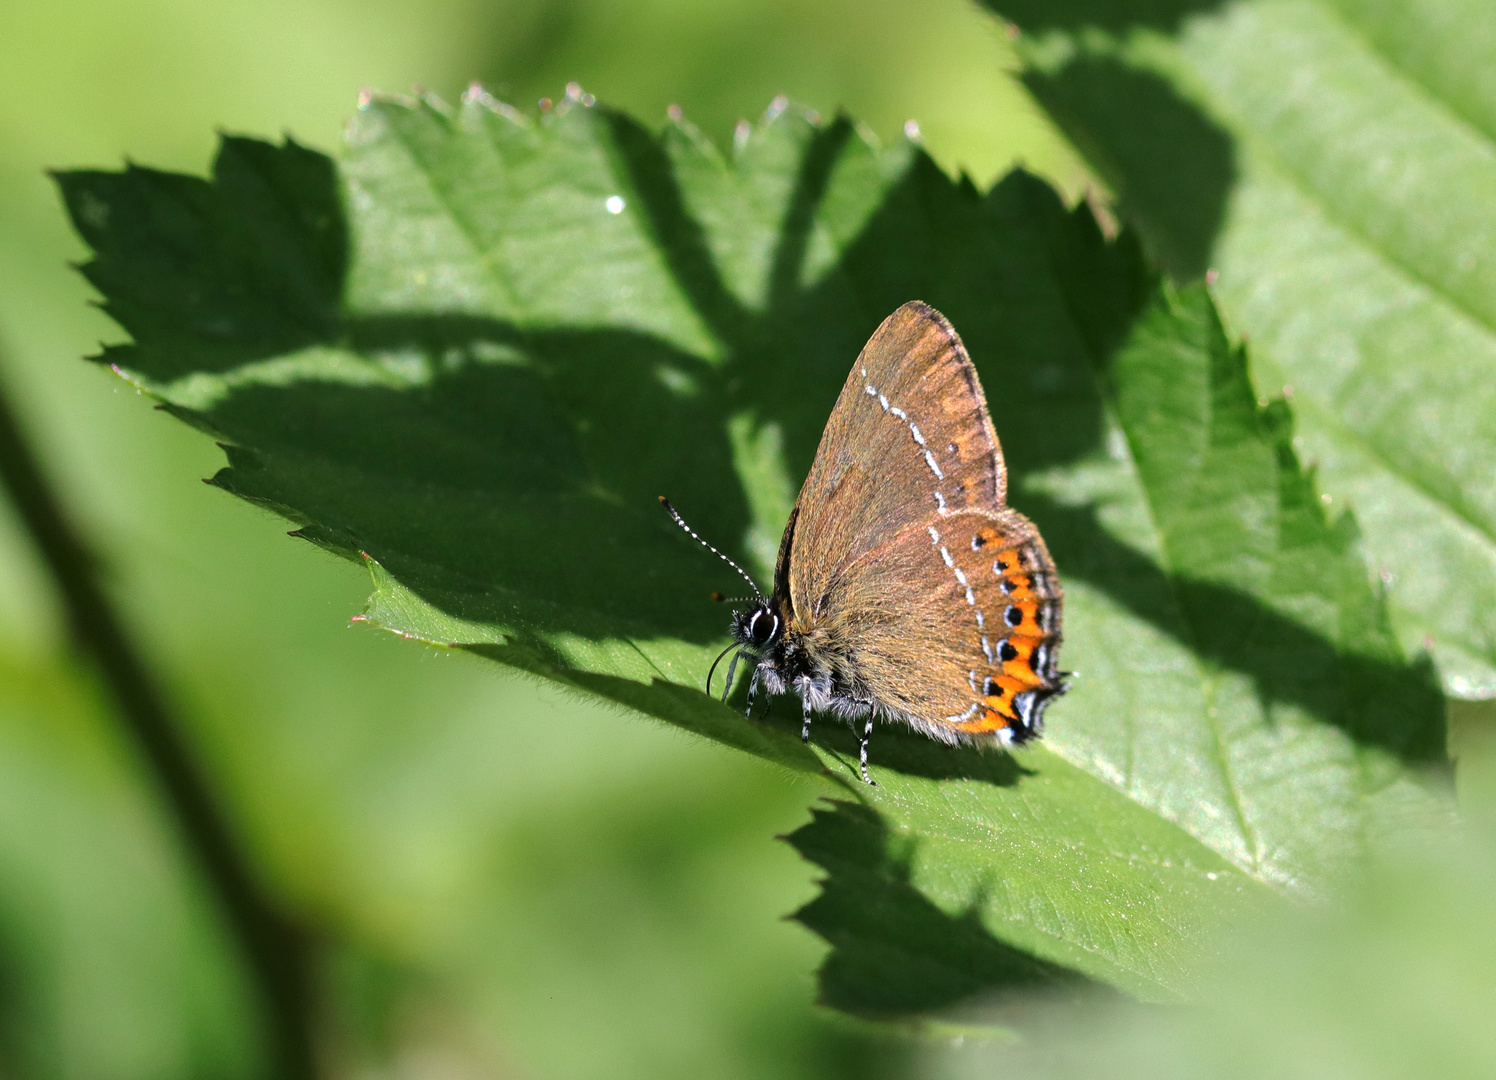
(506, 881)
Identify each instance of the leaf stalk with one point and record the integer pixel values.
(274, 949)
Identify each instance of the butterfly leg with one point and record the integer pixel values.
(732, 669)
(867, 732)
(805, 725)
(752, 690)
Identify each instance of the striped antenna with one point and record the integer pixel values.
(679, 521)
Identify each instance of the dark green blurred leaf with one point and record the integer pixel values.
(544, 326)
(1335, 162)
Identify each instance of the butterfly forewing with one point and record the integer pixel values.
(908, 437)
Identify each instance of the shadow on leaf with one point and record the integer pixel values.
(1115, 16)
(895, 954)
(892, 746)
(1171, 166)
(508, 474)
(1378, 700)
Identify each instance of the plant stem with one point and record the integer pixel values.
(274, 949)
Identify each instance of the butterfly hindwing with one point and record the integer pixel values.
(953, 626)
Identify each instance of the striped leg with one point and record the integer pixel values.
(732, 669)
(805, 726)
(867, 732)
(752, 689)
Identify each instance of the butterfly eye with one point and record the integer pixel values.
(762, 627)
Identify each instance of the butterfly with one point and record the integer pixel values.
(906, 589)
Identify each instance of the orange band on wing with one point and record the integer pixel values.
(1026, 614)
(1008, 563)
(990, 720)
(999, 712)
(1020, 587)
(1020, 669)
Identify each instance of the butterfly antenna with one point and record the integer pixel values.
(717, 661)
(679, 521)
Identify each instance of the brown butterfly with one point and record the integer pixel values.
(906, 589)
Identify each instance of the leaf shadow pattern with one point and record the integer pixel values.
(1109, 15)
(1172, 167)
(209, 275)
(1377, 700)
(894, 953)
(683, 706)
(897, 747)
(507, 473)
(498, 480)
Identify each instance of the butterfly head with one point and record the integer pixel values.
(757, 627)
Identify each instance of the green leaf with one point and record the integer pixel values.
(544, 326)
(1397, 982)
(1335, 163)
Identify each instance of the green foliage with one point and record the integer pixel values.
(1397, 983)
(1334, 161)
(112, 924)
(539, 327)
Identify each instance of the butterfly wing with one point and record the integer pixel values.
(909, 437)
(901, 545)
(974, 596)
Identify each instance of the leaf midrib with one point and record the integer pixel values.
(1207, 681)
(1398, 269)
(1267, 155)
(1266, 151)
(1343, 432)
(1104, 394)
(1407, 74)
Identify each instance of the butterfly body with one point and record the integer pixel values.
(906, 589)
(893, 657)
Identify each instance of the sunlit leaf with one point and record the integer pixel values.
(542, 326)
(1334, 161)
